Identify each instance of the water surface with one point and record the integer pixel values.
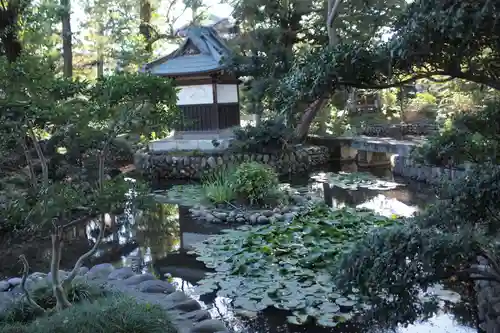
(157, 241)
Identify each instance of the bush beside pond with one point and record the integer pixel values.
(108, 315)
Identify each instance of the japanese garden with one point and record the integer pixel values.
(190, 166)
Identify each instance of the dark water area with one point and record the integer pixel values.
(157, 241)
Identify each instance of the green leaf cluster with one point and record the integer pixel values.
(290, 266)
(269, 136)
(254, 182)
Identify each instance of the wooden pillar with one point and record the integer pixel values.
(215, 108)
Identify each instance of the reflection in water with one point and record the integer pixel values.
(157, 241)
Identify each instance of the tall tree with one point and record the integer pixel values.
(269, 34)
(112, 38)
(417, 49)
(67, 37)
(10, 16)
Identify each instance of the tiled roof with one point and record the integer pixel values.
(210, 51)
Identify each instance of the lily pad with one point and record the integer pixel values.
(355, 180)
(294, 273)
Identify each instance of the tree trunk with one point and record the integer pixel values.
(100, 52)
(312, 110)
(9, 29)
(146, 12)
(57, 289)
(67, 38)
(308, 117)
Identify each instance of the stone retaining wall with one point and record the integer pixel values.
(406, 167)
(185, 164)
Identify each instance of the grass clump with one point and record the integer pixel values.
(42, 294)
(218, 185)
(114, 314)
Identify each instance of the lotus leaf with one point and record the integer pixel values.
(354, 181)
(289, 265)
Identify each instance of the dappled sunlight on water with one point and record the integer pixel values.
(388, 206)
(157, 241)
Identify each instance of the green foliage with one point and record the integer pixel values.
(218, 185)
(254, 181)
(82, 121)
(403, 260)
(269, 136)
(289, 266)
(42, 294)
(471, 137)
(430, 37)
(107, 315)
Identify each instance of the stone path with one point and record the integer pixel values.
(185, 312)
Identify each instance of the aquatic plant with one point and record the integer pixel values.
(289, 266)
(355, 180)
(188, 195)
(218, 185)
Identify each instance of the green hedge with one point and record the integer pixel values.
(107, 315)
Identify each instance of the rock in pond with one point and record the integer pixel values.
(189, 305)
(136, 279)
(209, 326)
(262, 219)
(4, 286)
(14, 281)
(197, 315)
(100, 271)
(121, 273)
(156, 286)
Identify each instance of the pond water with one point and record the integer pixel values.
(158, 240)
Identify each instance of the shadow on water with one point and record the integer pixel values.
(158, 240)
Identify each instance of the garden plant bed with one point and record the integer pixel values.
(294, 201)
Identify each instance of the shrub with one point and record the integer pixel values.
(254, 181)
(270, 135)
(218, 185)
(106, 315)
(43, 295)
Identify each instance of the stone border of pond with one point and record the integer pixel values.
(185, 312)
(406, 167)
(193, 164)
(488, 301)
(300, 202)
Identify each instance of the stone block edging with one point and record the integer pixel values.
(406, 167)
(184, 164)
(255, 217)
(185, 312)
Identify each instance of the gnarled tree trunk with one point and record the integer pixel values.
(308, 117)
(313, 109)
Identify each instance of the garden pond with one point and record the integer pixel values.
(160, 241)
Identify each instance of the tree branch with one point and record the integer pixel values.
(333, 12)
(393, 84)
(30, 300)
(41, 156)
(29, 161)
(69, 279)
